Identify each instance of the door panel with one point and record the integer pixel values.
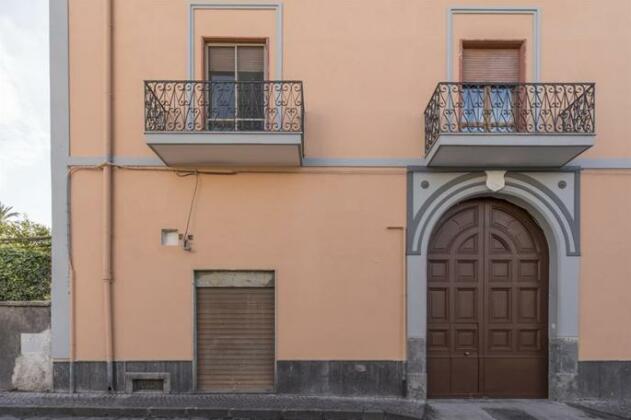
(455, 269)
(487, 303)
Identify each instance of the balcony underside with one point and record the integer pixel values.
(198, 149)
(506, 151)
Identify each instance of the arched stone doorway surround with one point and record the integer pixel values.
(552, 199)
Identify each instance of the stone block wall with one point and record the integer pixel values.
(25, 362)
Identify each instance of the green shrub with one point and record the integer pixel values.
(24, 273)
(24, 261)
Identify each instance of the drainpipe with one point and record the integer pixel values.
(71, 285)
(107, 199)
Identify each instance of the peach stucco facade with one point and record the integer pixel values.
(605, 197)
(332, 230)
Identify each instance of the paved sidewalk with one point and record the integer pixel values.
(619, 409)
(505, 410)
(209, 406)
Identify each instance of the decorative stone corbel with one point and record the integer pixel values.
(495, 180)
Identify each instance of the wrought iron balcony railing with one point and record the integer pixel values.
(505, 108)
(244, 106)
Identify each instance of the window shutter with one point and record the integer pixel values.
(250, 59)
(221, 59)
(491, 65)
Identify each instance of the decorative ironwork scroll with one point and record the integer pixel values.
(184, 105)
(504, 108)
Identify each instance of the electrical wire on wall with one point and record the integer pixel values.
(186, 239)
(182, 173)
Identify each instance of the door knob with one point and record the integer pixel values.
(466, 353)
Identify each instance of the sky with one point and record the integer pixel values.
(25, 108)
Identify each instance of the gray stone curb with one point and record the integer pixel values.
(207, 413)
(600, 412)
(250, 407)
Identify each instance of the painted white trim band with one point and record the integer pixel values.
(583, 163)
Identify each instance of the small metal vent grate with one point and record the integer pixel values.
(148, 385)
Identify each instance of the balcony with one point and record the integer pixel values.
(244, 123)
(508, 125)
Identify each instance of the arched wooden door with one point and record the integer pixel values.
(487, 303)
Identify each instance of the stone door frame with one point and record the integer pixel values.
(552, 199)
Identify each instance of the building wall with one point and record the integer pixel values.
(402, 62)
(605, 204)
(339, 270)
(368, 69)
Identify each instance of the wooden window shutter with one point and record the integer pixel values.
(250, 59)
(491, 64)
(221, 59)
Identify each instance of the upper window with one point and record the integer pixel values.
(236, 73)
(492, 63)
(490, 74)
(236, 62)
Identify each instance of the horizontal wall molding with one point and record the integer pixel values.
(408, 163)
(602, 163)
(363, 162)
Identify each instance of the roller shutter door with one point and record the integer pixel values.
(235, 339)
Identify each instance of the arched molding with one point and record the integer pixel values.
(560, 219)
(552, 199)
